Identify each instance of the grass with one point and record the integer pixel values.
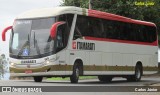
(67, 78)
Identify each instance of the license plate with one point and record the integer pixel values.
(28, 71)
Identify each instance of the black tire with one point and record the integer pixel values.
(38, 78)
(138, 73)
(76, 72)
(105, 78)
(137, 76)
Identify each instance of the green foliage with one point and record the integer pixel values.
(1, 68)
(78, 3)
(3, 64)
(67, 78)
(126, 8)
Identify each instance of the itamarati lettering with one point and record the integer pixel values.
(85, 46)
(28, 61)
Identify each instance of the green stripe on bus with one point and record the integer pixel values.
(85, 68)
(22, 70)
(108, 68)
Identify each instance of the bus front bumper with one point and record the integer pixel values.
(48, 70)
(14, 71)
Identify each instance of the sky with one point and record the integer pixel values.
(10, 9)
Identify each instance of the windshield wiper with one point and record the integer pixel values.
(36, 45)
(25, 44)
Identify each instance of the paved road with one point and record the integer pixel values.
(91, 82)
(146, 81)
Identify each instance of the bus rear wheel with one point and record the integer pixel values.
(76, 72)
(137, 76)
(105, 78)
(38, 78)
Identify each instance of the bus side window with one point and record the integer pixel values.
(79, 28)
(77, 31)
(60, 39)
(77, 34)
(95, 27)
(63, 31)
(108, 28)
(151, 33)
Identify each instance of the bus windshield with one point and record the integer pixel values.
(31, 38)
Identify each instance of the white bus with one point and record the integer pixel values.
(73, 42)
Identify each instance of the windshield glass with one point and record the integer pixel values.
(31, 38)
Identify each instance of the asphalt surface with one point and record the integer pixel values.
(121, 82)
(145, 81)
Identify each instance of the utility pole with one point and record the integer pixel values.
(90, 4)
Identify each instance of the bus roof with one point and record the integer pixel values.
(109, 16)
(50, 12)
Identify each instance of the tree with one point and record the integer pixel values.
(126, 8)
(3, 66)
(78, 3)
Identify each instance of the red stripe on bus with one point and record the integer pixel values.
(109, 16)
(155, 43)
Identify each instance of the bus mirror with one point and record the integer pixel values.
(4, 32)
(54, 28)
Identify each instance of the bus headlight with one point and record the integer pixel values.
(47, 62)
(12, 64)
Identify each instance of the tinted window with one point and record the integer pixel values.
(88, 26)
(42, 23)
(102, 28)
(63, 31)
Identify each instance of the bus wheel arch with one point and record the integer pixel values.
(77, 71)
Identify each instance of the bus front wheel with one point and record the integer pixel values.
(75, 75)
(38, 78)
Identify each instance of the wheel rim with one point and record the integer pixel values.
(138, 73)
(77, 73)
